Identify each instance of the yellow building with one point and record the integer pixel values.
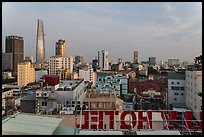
(26, 73)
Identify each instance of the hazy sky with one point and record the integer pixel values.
(163, 30)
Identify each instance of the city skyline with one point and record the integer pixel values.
(163, 30)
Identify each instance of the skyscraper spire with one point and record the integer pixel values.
(40, 43)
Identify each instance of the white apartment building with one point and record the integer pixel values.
(88, 75)
(176, 89)
(59, 63)
(26, 73)
(193, 87)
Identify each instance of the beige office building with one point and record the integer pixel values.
(26, 73)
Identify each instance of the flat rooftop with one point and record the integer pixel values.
(29, 124)
(70, 84)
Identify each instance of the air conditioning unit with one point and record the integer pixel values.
(46, 94)
(38, 94)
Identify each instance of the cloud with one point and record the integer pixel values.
(169, 7)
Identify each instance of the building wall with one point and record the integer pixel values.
(193, 87)
(176, 91)
(88, 75)
(119, 83)
(57, 63)
(28, 106)
(39, 74)
(26, 73)
(7, 61)
(100, 101)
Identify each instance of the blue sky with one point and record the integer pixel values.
(164, 30)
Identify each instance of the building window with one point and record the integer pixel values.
(181, 94)
(175, 99)
(182, 88)
(174, 88)
(44, 103)
(176, 93)
(178, 83)
(172, 83)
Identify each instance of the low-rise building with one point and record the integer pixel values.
(68, 94)
(98, 100)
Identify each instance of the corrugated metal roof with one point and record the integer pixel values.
(30, 124)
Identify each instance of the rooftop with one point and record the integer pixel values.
(29, 124)
(175, 75)
(69, 84)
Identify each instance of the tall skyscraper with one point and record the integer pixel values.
(136, 57)
(15, 45)
(105, 62)
(60, 48)
(40, 45)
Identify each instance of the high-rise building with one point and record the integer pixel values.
(60, 48)
(40, 44)
(193, 88)
(26, 73)
(79, 59)
(7, 61)
(136, 57)
(57, 64)
(15, 45)
(95, 64)
(152, 60)
(105, 62)
(173, 62)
